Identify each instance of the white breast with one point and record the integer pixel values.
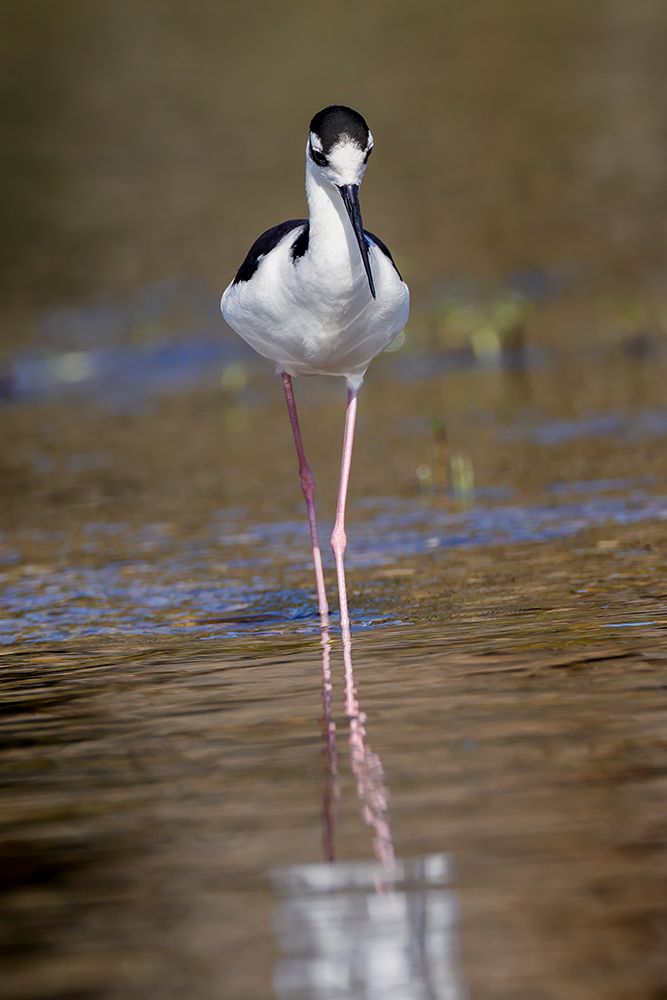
(311, 319)
(315, 315)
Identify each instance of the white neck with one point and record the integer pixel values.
(331, 236)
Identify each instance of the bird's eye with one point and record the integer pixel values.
(317, 157)
(368, 153)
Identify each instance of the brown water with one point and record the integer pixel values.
(187, 809)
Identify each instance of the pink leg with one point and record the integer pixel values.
(308, 488)
(338, 538)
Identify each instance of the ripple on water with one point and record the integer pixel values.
(233, 581)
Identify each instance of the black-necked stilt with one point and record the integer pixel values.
(322, 296)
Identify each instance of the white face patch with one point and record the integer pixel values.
(346, 162)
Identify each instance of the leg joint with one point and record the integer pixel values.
(338, 539)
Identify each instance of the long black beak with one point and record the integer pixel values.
(350, 195)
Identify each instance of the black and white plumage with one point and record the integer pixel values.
(322, 296)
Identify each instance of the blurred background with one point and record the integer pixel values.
(144, 142)
(157, 632)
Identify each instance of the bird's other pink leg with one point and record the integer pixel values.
(308, 487)
(338, 538)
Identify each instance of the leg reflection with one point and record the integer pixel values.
(367, 767)
(331, 791)
(365, 764)
(358, 928)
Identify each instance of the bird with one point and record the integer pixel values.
(322, 296)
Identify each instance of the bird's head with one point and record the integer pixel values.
(339, 145)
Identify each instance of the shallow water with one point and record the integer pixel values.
(177, 820)
(202, 796)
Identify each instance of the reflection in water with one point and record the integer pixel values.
(363, 929)
(366, 766)
(331, 789)
(339, 937)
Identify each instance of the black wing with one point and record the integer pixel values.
(300, 244)
(264, 244)
(384, 248)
